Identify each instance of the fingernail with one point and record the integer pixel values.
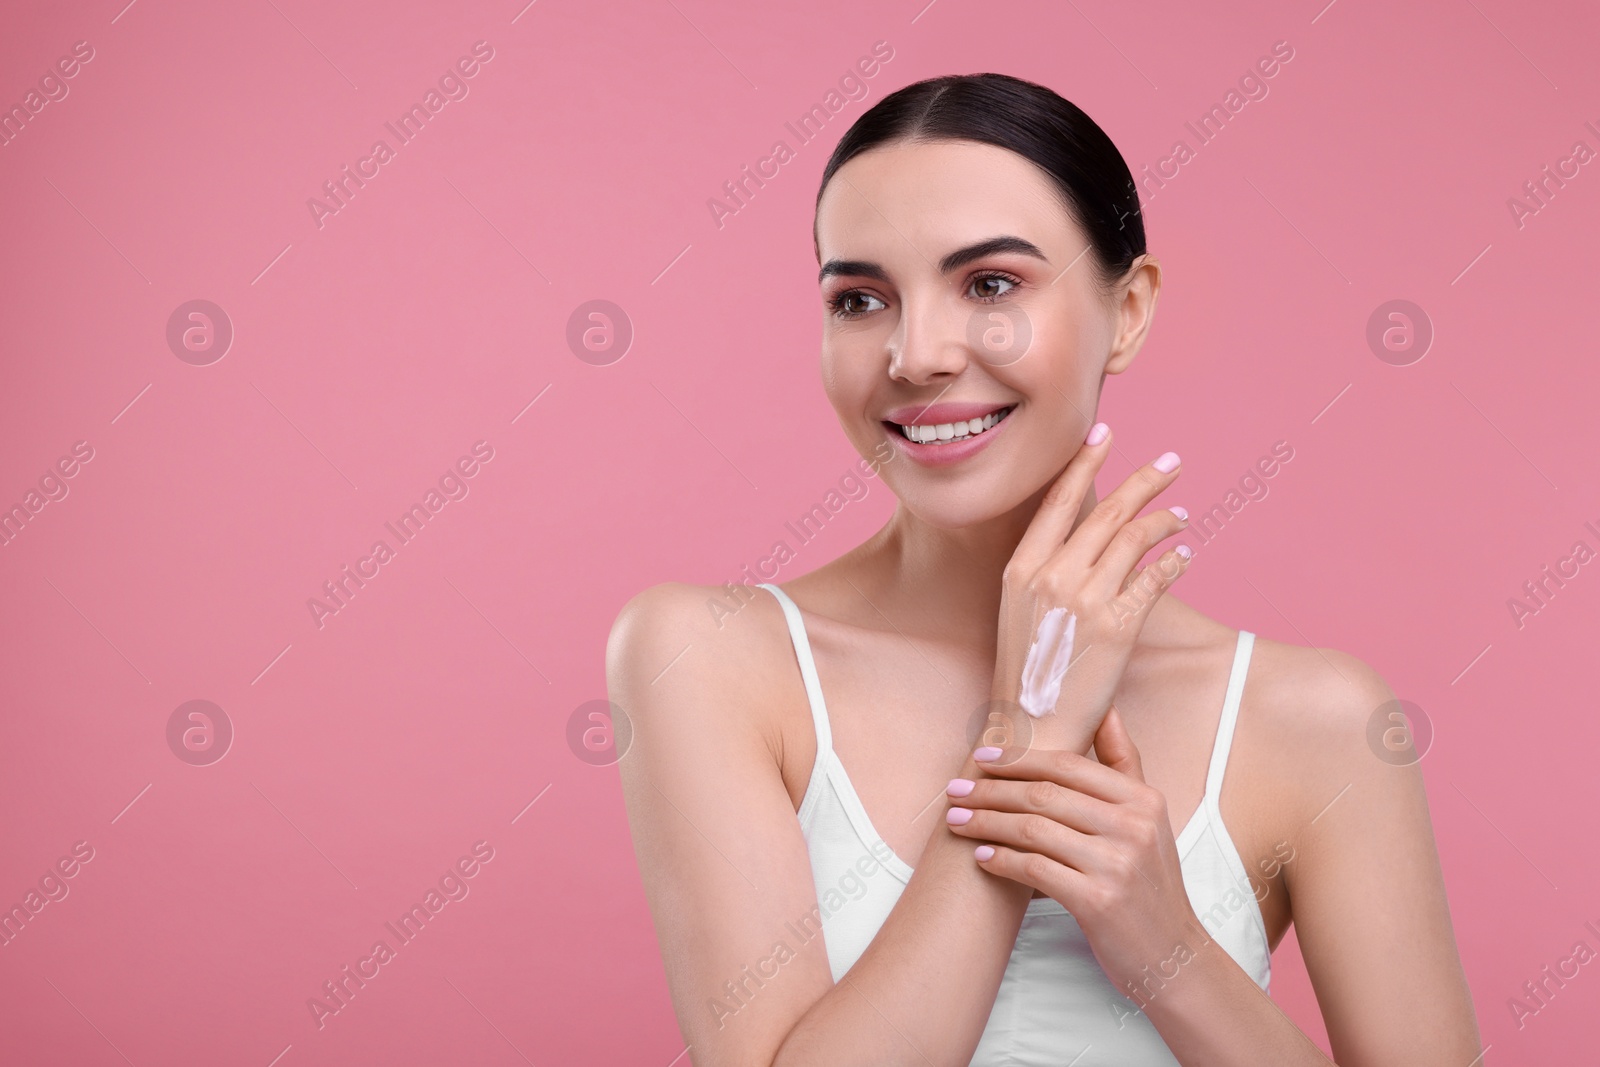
(986, 754)
(1180, 512)
(984, 852)
(1097, 433)
(1184, 550)
(959, 787)
(1167, 463)
(958, 816)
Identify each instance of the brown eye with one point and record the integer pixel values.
(986, 286)
(845, 304)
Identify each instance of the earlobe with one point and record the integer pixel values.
(1122, 359)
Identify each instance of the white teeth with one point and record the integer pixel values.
(954, 431)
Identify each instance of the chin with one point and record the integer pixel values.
(953, 508)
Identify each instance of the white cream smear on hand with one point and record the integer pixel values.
(1048, 659)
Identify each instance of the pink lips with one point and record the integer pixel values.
(946, 453)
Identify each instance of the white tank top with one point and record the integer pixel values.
(1055, 1004)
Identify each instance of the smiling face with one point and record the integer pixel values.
(962, 322)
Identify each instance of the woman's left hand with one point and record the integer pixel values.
(1094, 836)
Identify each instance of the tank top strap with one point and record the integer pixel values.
(808, 666)
(1230, 716)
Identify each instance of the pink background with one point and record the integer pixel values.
(370, 353)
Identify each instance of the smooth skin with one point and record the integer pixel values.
(917, 629)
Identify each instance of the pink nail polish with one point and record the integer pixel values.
(984, 852)
(958, 816)
(1184, 550)
(1166, 463)
(960, 787)
(1180, 512)
(986, 754)
(1097, 433)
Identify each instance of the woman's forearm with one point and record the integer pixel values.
(1212, 1014)
(922, 991)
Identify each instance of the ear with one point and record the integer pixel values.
(1135, 311)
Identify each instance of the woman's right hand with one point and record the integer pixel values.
(1091, 575)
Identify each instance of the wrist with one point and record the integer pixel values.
(1008, 726)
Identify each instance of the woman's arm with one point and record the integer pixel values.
(728, 878)
(1367, 891)
(1364, 884)
(724, 863)
(1367, 896)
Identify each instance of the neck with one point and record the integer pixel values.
(949, 577)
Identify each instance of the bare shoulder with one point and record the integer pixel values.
(672, 615)
(1310, 726)
(685, 647)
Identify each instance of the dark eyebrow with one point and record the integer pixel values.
(957, 259)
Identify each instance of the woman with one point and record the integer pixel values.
(1012, 899)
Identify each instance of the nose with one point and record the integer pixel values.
(929, 342)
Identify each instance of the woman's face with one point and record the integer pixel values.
(992, 356)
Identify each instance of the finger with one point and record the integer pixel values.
(1110, 575)
(1090, 540)
(1055, 880)
(1114, 748)
(1026, 833)
(1070, 769)
(1080, 811)
(1146, 585)
(1057, 513)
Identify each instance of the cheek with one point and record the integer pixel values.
(847, 377)
(1048, 368)
(1067, 356)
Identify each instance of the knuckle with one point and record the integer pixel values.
(1134, 536)
(1154, 801)
(1040, 794)
(1062, 761)
(1061, 492)
(1106, 512)
(1100, 899)
(1034, 828)
(1035, 867)
(1049, 585)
